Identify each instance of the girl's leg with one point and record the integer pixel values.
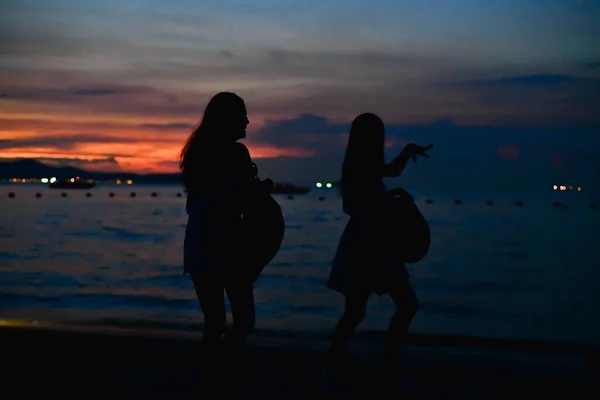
(210, 296)
(406, 306)
(241, 298)
(212, 302)
(354, 313)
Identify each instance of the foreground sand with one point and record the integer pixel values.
(69, 363)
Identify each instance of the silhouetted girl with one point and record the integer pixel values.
(365, 261)
(217, 172)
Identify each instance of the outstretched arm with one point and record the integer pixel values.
(396, 167)
(411, 150)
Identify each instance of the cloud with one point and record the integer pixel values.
(165, 127)
(594, 65)
(463, 156)
(57, 93)
(171, 164)
(308, 131)
(62, 142)
(95, 92)
(408, 85)
(101, 163)
(526, 80)
(134, 100)
(145, 70)
(110, 162)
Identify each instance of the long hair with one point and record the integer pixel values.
(364, 158)
(217, 114)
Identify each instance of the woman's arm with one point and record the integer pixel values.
(411, 150)
(396, 167)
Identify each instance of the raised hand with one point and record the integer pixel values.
(413, 150)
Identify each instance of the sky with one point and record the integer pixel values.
(508, 91)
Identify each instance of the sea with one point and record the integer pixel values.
(503, 264)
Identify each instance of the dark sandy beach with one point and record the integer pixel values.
(83, 363)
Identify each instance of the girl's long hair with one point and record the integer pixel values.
(364, 158)
(216, 115)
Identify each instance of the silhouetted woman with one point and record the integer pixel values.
(217, 171)
(365, 261)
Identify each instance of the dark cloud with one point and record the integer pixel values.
(410, 85)
(175, 126)
(278, 64)
(95, 92)
(59, 94)
(117, 99)
(463, 156)
(542, 100)
(302, 124)
(108, 161)
(594, 65)
(79, 162)
(62, 142)
(526, 80)
(308, 131)
(172, 164)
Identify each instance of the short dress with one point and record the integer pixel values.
(366, 260)
(214, 236)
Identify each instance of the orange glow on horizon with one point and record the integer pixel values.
(109, 142)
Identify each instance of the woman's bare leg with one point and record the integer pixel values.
(354, 313)
(407, 305)
(241, 298)
(212, 302)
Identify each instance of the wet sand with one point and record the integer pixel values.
(86, 363)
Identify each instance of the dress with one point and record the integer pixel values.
(213, 237)
(214, 234)
(366, 260)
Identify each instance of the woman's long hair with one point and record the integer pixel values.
(217, 114)
(364, 158)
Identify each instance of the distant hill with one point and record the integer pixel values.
(31, 168)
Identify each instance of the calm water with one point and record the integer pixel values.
(498, 271)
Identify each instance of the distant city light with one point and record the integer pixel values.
(72, 179)
(23, 180)
(129, 181)
(118, 182)
(564, 188)
(44, 180)
(328, 185)
(319, 184)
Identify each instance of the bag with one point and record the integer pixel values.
(407, 227)
(264, 228)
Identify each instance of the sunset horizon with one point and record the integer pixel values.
(119, 86)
